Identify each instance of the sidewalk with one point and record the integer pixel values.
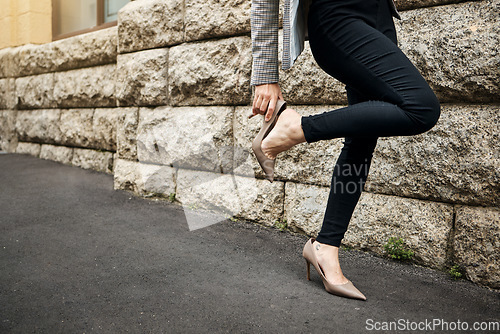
(77, 257)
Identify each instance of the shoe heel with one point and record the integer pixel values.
(308, 266)
(267, 164)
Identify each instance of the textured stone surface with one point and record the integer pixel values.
(457, 161)
(191, 137)
(76, 127)
(230, 195)
(7, 93)
(148, 24)
(28, 148)
(41, 126)
(61, 154)
(424, 226)
(307, 83)
(156, 179)
(91, 159)
(306, 163)
(104, 124)
(126, 133)
(412, 4)
(8, 135)
(213, 18)
(476, 244)
(468, 35)
(94, 48)
(87, 87)
(36, 91)
(144, 179)
(305, 207)
(461, 62)
(125, 175)
(142, 78)
(210, 73)
(9, 62)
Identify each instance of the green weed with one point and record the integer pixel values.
(456, 272)
(281, 225)
(397, 249)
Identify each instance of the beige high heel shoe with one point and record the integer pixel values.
(266, 163)
(344, 290)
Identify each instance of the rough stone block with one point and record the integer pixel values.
(104, 124)
(444, 59)
(148, 24)
(36, 91)
(468, 34)
(9, 62)
(476, 244)
(91, 49)
(126, 133)
(61, 154)
(305, 207)
(211, 72)
(456, 161)
(125, 175)
(87, 87)
(41, 126)
(28, 148)
(214, 18)
(307, 163)
(190, 137)
(156, 179)
(76, 127)
(412, 4)
(89, 128)
(8, 135)
(424, 226)
(142, 78)
(307, 83)
(92, 159)
(8, 98)
(230, 195)
(144, 179)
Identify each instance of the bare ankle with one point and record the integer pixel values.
(296, 130)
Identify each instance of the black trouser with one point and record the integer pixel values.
(355, 42)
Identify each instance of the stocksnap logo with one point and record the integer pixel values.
(212, 180)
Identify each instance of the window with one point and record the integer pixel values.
(73, 17)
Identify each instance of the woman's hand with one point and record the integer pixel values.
(265, 99)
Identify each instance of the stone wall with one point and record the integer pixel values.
(161, 101)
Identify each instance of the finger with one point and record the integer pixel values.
(270, 110)
(256, 105)
(263, 106)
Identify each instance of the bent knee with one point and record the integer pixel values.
(428, 114)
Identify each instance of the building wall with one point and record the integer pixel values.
(163, 105)
(25, 21)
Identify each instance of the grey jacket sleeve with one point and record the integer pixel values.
(264, 20)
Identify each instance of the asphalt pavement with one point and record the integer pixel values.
(77, 256)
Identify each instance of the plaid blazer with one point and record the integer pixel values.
(264, 20)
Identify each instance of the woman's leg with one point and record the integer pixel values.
(349, 176)
(355, 42)
(387, 97)
(348, 179)
(355, 46)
